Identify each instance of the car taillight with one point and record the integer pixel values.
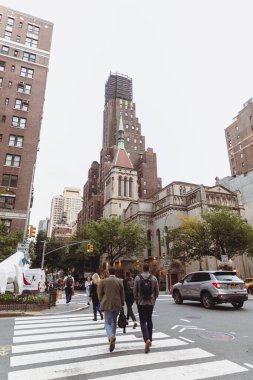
(216, 285)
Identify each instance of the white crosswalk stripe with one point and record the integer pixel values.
(55, 347)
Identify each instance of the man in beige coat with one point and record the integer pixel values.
(112, 298)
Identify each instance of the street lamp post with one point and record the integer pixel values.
(167, 264)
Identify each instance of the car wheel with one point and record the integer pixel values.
(207, 300)
(177, 297)
(238, 304)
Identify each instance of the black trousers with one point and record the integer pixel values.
(68, 292)
(130, 313)
(145, 315)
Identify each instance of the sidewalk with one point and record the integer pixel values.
(77, 303)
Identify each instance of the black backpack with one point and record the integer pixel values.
(146, 288)
(69, 282)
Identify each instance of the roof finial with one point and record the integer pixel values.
(121, 141)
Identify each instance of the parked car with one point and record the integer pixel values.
(211, 287)
(248, 284)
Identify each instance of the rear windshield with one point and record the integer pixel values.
(227, 277)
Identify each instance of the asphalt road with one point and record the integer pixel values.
(189, 343)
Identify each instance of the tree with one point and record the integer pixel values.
(8, 241)
(192, 241)
(53, 261)
(116, 239)
(230, 234)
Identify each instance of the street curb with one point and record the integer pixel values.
(35, 314)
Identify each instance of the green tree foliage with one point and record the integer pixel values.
(8, 242)
(230, 234)
(220, 232)
(191, 241)
(116, 239)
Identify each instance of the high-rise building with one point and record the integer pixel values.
(25, 43)
(65, 209)
(43, 225)
(119, 103)
(239, 138)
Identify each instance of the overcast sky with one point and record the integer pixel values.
(191, 64)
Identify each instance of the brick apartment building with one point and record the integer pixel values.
(119, 101)
(24, 58)
(239, 138)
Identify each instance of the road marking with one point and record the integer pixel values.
(190, 328)
(248, 365)
(58, 324)
(107, 364)
(66, 335)
(185, 327)
(23, 348)
(185, 320)
(85, 352)
(59, 319)
(187, 340)
(5, 350)
(53, 317)
(189, 372)
(58, 329)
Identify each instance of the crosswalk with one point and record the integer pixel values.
(73, 346)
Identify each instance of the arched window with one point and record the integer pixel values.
(119, 185)
(158, 234)
(125, 187)
(149, 243)
(131, 187)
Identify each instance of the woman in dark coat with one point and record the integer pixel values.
(94, 296)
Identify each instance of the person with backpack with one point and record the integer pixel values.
(128, 283)
(146, 291)
(69, 287)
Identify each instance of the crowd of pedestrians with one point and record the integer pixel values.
(109, 295)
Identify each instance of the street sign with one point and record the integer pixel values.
(224, 259)
(23, 247)
(167, 262)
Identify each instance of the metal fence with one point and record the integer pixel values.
(27, 305)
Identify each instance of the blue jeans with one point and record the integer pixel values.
(111, 322)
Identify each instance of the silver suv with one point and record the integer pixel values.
(210, 287)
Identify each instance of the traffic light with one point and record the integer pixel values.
(32, 231)
(89, 248)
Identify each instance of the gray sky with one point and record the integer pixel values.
(191, 64)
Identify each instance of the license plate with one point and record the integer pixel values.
(233, 286)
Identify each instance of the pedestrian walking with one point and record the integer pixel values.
(87, 289)
(129, 296)
(69, 286)
(146, 292)
(94, 296)
(112, 298)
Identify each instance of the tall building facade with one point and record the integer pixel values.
(25, 43)
(239, 138)
(119, 103)
(65, 209)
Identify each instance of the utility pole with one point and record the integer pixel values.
(43, 253)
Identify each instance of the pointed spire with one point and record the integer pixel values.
(121, 142)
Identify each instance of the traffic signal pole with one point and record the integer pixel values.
(44, 253)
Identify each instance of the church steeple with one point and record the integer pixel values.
(121, 142)
(121, 158)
